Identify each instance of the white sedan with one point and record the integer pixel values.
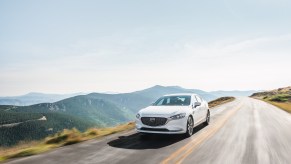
(173, 114)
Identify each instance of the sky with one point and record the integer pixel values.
(69, 46)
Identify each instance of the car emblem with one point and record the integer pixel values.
(152, 119)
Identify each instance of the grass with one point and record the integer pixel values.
(283, 105)
(219, 101)
(63, 138)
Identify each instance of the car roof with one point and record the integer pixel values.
(181, 94)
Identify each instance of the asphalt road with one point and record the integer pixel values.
(243, 131)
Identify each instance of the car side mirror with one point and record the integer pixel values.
(196, 104)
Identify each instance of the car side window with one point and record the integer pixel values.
(161, 102)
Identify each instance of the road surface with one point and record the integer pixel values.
(243, 131)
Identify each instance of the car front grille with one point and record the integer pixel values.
(154, 121)
(155, 129)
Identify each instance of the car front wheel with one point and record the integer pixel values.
(190, 125)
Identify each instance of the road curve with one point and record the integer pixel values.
(243, 131)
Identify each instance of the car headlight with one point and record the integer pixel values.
(137, 116)
(178, 116)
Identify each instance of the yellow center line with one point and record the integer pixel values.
(179, 155)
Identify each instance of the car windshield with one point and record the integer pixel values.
(173, 101)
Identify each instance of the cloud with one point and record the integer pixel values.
(130, 63)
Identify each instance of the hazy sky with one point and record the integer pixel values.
(125, 45)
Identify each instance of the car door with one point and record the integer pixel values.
(197, 110)
(194, 110)
(205, 107)
(201, 109)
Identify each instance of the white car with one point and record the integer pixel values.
(173, 114)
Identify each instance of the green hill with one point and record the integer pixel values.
(99, 111)
(81, 112)
(19, 126)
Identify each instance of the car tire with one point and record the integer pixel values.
(207, 119)
(190, 127)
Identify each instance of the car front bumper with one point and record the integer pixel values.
(171, 127)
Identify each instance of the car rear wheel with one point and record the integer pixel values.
(190, 125)
(207, 120)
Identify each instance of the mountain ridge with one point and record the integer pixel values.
(38, 97)
(81, 111)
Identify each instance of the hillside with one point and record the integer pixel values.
(106, 109)
(82, 111)
(18, 126)
(279, 97)
(273, 93)
(131, 101)
(99, 111)
(219, 101)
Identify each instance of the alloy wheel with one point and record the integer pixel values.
(190, 126)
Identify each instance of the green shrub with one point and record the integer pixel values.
(280, 98)
(67, 136)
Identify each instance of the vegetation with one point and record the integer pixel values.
(63, 138)
(283, 105)
(35, 129)
(101, 112)
(219, 101)
(276, 94)
(8, 118)
(279, 97)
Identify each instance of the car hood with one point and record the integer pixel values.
(165, 111)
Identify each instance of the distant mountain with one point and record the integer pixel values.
(81, 111)
(157, 91)
(106, 109)
(35, 98)
(235, 93)
(150, 93)
(110, 109)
